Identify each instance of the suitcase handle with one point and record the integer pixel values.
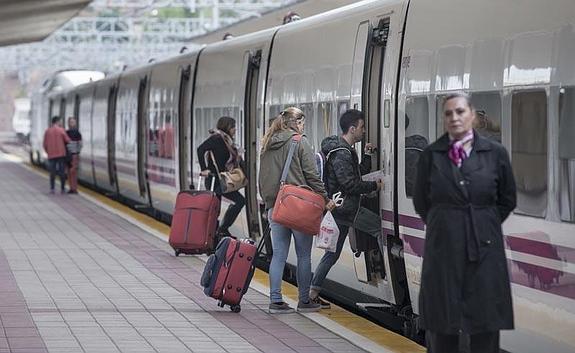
(200, 183)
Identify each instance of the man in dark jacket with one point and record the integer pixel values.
(343, 174)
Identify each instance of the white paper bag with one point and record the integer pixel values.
(328, 234)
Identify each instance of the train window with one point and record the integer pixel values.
(529, 151)
(323, 124)
(416, 137)
(311, 122)
(567, 153)
(488, 114)
(440, 129)
(274, 111)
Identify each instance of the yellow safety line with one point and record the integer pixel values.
(371, 331)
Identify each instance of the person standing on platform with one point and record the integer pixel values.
(74, 147)
(464, 190)
(302, 170)
(55, 140)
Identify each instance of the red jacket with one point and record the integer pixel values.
(55, 140)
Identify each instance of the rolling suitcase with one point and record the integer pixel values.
(229, 271)
(194, 222)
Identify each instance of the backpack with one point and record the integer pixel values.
(321, 160)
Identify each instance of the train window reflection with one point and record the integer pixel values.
(416, 137)
(323, 123)
(488, 114)
(529, 151)
(567, 153)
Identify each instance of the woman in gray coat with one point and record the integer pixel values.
(464, 190)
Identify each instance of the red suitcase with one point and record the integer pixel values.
(229, 271)
(194, 222)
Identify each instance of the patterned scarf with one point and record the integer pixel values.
(456, 152)
(234, 160)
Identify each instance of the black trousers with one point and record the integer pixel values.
(233, 210)
(487, 342)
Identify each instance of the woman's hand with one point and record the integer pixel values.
(205, 173)
(330, 205)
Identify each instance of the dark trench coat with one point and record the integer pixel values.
(465, 281)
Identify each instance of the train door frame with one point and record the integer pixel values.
(376, 265)
(253, 69)
(111, 136)
(63, 111)
(76, 114)
(184, 139)
(142, 138)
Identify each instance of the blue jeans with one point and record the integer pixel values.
(329, 259)
(57, 166)
(281, 239)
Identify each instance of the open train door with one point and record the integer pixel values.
(373, 77)
(251, 121)
(142, 140)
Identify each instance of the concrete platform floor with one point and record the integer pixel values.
(75, 277)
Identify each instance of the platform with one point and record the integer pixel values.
(78, 275)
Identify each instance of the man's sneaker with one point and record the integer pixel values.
(308, 307)
(52, 191)
(322, 303)
(280, 308)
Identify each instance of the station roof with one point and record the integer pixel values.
(32, 20)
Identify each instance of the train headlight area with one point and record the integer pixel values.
(85, 272)
(395, 60)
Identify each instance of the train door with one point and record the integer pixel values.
(142, 138)
(111, 136)
(250, 140)
(370, 93)
(184, 143)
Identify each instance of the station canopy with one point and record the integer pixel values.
(23, 21)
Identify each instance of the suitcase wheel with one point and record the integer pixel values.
(235, 308)
(177, 252)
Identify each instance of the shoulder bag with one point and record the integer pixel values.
(232, 180)
(297, 207)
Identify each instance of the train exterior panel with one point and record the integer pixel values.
(102, 147)
(85, 101)
(395, 60)
(513, 60)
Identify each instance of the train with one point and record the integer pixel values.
(395, 60)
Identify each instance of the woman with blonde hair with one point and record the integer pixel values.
(302, 171)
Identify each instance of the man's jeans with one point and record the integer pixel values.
(281, 239)
(329, 258)
(57, 166)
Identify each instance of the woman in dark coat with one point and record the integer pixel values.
(464, 190)
(220, 147)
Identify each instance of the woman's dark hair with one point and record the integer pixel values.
(226, 124)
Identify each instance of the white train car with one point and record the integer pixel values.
(48, 101)
(395, 60)
(21, 118)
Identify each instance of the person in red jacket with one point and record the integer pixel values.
(55, 140)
